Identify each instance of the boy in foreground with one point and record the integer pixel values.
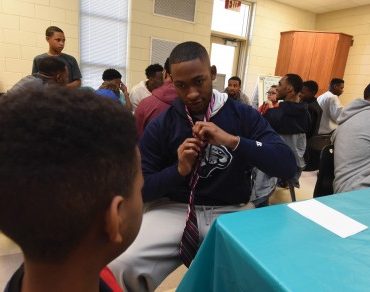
(70, 186)
(56, 39)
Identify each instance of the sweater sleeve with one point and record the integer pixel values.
(262, 147)
(159, 178)
(335, 108)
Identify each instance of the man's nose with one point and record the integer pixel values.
(192, 93)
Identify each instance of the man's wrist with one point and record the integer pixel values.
(235, 143)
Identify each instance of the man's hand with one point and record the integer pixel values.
(187, 154)
(210, 133)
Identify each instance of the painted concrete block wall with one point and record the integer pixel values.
(144, 25)
(356, 22)
(22, 33)
(271, 18)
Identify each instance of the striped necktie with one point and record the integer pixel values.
(190, 238)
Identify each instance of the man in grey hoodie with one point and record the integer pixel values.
(352, 146)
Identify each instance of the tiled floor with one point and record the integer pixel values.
(11, 257)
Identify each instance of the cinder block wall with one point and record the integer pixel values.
(22, 33)
(144, 25)
(271, 18)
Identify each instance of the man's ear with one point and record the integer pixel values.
(113, 220)
(213, 72)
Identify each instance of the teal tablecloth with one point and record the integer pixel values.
(277, 249)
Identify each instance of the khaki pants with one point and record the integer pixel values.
(155, 252)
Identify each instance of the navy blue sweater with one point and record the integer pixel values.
(224, 173)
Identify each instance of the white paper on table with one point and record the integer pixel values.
(328, 217)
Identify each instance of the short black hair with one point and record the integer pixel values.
(167, 66)
(151, 70)
(367, 92)
(236, 78)
(295, 81)
(336, 81)
(51, 29)
(312, 86)
(64, 155)
(188, 51)
(111, 74)
(51, 66)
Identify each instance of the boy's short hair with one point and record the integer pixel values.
(151, 70)
(64, 155)
(51, 66)
(312, 86)
(111, 74)
(167, 66)
(295, 81)
(188, 51)
(367, 92)
(236, 78)
(336, 81)
(51, 29)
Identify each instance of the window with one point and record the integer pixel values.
(103, 39)
(229, 21)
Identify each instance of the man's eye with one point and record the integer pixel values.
(199, 82)
(180, 85)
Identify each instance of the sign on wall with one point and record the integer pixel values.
(233, 5)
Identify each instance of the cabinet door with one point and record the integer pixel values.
(323, 59)
(285, 49)
(302, 53)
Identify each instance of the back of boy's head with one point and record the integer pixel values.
(188, 51)
(64, 155)
(51, 66)
(312, 86)
(51, 29)
(151, 70)
(111, 74)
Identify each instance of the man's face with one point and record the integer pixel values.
(132, 208)
(193, 83)
(306, 93)
(283, 88)
(56, 41)
(117, 82)
(233, 87)
(157, 80)
(338, 89)
(272, 94)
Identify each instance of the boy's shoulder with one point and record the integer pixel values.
(107, 282)
(41, 56)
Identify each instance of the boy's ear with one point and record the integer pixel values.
(113, 220)
(213, 72)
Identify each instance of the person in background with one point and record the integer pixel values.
(51, 71)
(291, 119)
(331, 106)
(154, 75)
(158, 102)
(233, 90)
(211, 138)
(56, 39)
(70, 185)
(352, 145)
(113, 87)
(308, 93)
(271, 101)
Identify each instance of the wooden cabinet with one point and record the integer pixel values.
(318, 56)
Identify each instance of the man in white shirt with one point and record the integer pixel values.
(154, 75)
(331, 106)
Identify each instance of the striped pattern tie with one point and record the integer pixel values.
(190, 239)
